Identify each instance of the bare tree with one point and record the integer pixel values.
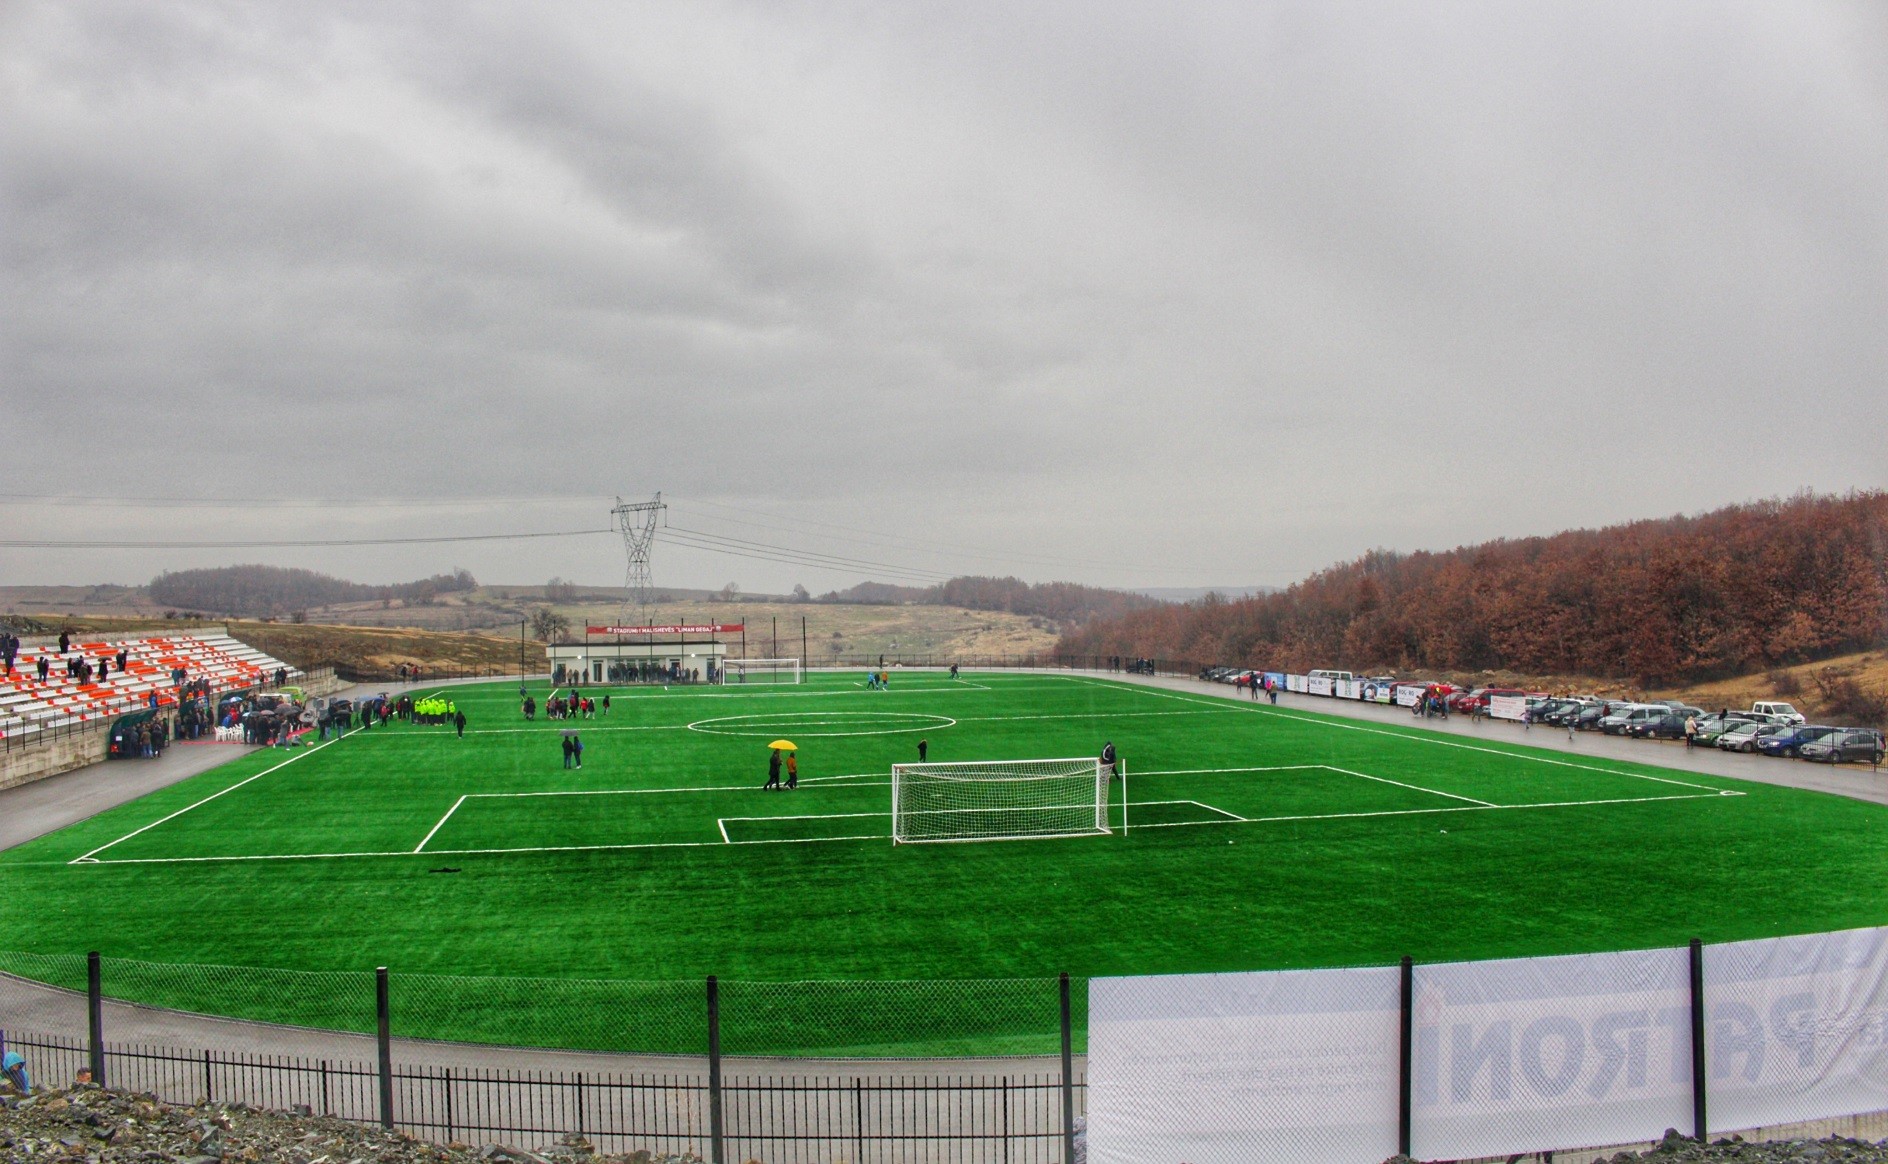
(730, 592)
(547, 624)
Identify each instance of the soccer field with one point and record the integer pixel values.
(1256, 837)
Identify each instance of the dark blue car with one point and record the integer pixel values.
(1787, 743)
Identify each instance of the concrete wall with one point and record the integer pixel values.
(25, 765)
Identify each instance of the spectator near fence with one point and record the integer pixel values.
(13, 1069)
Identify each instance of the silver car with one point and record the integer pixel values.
(1741, 737)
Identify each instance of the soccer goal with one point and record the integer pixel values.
(999, 800)
(736, 672)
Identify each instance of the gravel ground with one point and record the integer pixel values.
(1675, 1149)
(117, 1127)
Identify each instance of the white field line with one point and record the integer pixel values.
(1452, 808)
(645, 791)
(440, 824)
(1195, 804)
(880, 837)
(1412, 787)
(811, 816)
(722, 824)
(1421, 739)
(88, 857)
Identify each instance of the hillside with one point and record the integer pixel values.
(1737, 591)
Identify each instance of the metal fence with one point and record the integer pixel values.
(38, 734)
(779, 1118)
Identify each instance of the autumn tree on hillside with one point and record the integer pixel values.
(1683, 598)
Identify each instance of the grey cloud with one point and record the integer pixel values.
(1227, 288)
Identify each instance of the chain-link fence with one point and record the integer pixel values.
(649, 1017)
(940, 1018)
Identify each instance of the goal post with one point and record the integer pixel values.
(736, 672)
(999, 800)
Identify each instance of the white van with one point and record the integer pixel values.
(1333, 676)
(1777, 712)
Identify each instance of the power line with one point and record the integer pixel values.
(61, 499)
(769, 553)
(905, 541)
(49, 544)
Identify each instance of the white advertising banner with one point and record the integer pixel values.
(1296, 1065)
(1377, 691)
(1409, 694)
(1319, 685)
(1798, 1028)
(1535, 1054)
(1297, 683)
(1507, 707)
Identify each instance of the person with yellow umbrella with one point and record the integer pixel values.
(773, 765)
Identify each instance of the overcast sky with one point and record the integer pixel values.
(1162, 295)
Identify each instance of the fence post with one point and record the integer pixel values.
(1405, 1057)
(384, 1013)
(95, 1015)
(1697, 1041)
(1068, 1080)
(715, 1154)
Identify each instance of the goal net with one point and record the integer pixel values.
(998, 800)
(739, 671)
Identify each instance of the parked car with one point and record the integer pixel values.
(1779, 712)
(1670, 726)
(1464, 700)
(1848, 746)
(1617, 723)
(1790, 740)
(1742, 737)
(1713, 726)
(1589, 718)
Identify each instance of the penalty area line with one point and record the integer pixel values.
(880, 837)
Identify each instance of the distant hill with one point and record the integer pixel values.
(1676, 599)
(268, 591)
(1066, 603)
(1195, 593)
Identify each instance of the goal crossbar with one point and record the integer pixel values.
(999, 800)
(738, 671)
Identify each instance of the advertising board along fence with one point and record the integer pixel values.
(1496, 1058)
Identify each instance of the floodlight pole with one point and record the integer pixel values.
(637, 522)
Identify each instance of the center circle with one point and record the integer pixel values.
(822, 724)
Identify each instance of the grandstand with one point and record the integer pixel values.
(28, 706)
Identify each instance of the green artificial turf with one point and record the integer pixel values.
(1360, 843)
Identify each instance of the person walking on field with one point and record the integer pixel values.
(793, 770)
(576, 750)
(570, 753)
(458, 721)
(924, 746)
(773, 771)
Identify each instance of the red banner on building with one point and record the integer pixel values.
(716, 628)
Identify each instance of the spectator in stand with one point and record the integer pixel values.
(104, 668)
(9, 649)
(124, 656)
(65, 642)
(44, 667)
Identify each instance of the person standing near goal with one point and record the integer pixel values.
(1107, 758)
(924, 748)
